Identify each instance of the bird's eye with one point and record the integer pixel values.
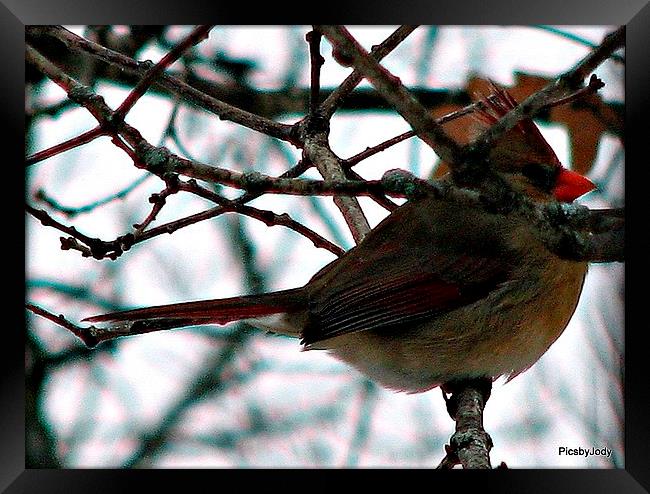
(542, 176)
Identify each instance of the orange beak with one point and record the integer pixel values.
(571, 185)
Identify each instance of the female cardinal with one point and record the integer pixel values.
(436, 292)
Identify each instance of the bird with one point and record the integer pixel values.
(436, 292)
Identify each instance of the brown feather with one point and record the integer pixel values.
(375, 287)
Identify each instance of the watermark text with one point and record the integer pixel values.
(586, 452)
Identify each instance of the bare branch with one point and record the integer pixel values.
(368, 152)
(560, 239)
(330, 105)
(316, 147)
(71, 212)
(470, 445)
(316, 62)
(82, 333)
(391, 88)
(269, 218)
(152, 159)
(75, 142)
(159, 200)
(223, 110)
(196, 36)
(317, 151)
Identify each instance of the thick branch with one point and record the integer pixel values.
(318, 152)
(571, 231)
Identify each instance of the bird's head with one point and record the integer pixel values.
(525, 158)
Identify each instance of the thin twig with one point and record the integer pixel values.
(196, 36)
(88, 246)
(71, 212)
(159, 200)
(392, 89)
(316, 62)
(333, 101)
(47, 220)
(269, 218)
(172, 133)
(72, 143)
(82, 333)
(224, 111)
(591, 88)
(370, 151)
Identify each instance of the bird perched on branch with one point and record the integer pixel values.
(437, 292)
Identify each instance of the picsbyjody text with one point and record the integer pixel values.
(563, 450)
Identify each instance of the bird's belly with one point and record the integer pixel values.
(500, 335)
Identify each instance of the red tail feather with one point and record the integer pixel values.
(218, 311)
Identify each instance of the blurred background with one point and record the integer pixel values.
(233, 396)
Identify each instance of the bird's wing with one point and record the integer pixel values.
(386, 286)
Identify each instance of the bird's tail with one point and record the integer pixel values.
(217, 311)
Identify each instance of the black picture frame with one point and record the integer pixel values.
(635, 14)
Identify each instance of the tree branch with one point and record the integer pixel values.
(391, 88)
(316, 149)
(196, 36)
(335, 99)
(371, 151)
(470, 445)
(223, 110)
(554, 226)
(82, 333)
(72, 143)
(150, 158)
(71, 212)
